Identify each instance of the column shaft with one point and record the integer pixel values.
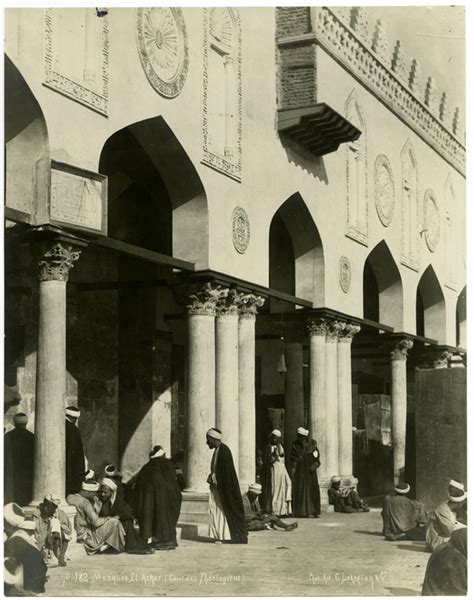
(294, 394)
(332, 429)
(247, 455)
(317, 393)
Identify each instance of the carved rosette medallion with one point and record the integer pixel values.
(204, 301)
(163, 48)
(431, 222)
(56, 263)
(384, 190)
(344, 274)
(249, 305)
(240, 230)
(400, 349)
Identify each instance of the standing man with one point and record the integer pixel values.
(75, 459)
(158, 501)
(276, 497)
(19, 460)
(305, 461)
(226, 509)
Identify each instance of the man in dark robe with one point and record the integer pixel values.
(305, 461)
(26, 562)
(257, 519)
(75, 460)
(446, 571)
(115, 506)
(402, 517)
(18, 462)
(111, 473)
(158, 501)
(345, 499)
(226, 509)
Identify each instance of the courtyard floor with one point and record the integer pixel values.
(337, 555)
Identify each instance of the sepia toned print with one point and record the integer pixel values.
(235, 301)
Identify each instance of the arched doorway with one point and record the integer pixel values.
(383, 293)
(461, 320)
(430, 307)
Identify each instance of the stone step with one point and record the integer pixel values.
(193, 517)
(191, 531)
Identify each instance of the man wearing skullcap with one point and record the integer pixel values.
(446, 571)
(305, 460)
(75, 459)
(112, 505)
(18, 462)
(447, 517)
(53, 528)
(276, 495)
(257, 519)
(403, 517)
(158, 501)
(345, 499)
(27, 566)
(97, 534)
(226, 510)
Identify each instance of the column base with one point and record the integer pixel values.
(194, 508)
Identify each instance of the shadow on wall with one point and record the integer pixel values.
(313, 165)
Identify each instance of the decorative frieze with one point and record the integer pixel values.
(345, 274)
(240, 230)
(400, 349)
(384, 189)
(205, 299)
(56, 263)
(431, 220)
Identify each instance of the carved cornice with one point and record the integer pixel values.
(205, 299)
(249, 305)
(56, 263)
(340, 40)
(400, 349)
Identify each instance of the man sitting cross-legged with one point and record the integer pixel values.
(345, 499)
(403, 517)
(255, 518)
(53, 528)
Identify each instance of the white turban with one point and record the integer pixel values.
(256, 488)
(458, 498)
(158, 453)
(335, 478)
(214, 433)
(20, 419)
(303, 431)
(110, 483)
(72, 411)
(402, 490)
(90, 474)
(110, 470)
(90, 486)
(53, 499)
(276, 433)
(14, 515)
(456, 484)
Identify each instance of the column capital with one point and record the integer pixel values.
(348, 332)
(229, 304)
(335, 328)
(56, 262)
(317, 327)
(435, 358)
(249, 305)
(399, 348)
(205, 298)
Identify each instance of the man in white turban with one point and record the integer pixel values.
(305, 461)
(257, 519)
(276, 492)
(448, 516)
(403, 517)
(53, 528)
(75, 458)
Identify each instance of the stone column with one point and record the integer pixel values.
(317, 391)
(50, 432)
(201, 386)
(344, 397)
(249, 303)
(332, 404)
(398, 357)
(227, 372)
(294, 394)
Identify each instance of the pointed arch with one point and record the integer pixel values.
(147, 165)
(356, 173)
(26, 149)
(431, 307)
(383, 291)
(296, 256)
(409, 194)
(461, 319)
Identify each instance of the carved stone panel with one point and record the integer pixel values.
(384, 190)
(240, 229)
(431, 221)
(163, 48)
(344, 274)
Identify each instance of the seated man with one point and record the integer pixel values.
(345, 499)
(446, 572)
(114, 506)
(26, 570)
(97, 534)
(402, 517)
(111, 473)
(255, 518)
(447, 517)
(53, 529)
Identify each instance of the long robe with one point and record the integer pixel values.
(446, 571)
(22, 549)
(124, 512)
(276, 484)
(75, 462)
(306, 494)
(228, 488)
(158, 500)
(18, 463)
(400, 515)
(94, 531)
(441, 524)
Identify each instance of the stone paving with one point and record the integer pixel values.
(337, 555)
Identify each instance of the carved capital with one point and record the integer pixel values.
(435, 358)
(205, 299)
(350, 330)
(400, 349)
(56, 263)
(249, 305)
(229, 304)
(335, 328)
(317, 327)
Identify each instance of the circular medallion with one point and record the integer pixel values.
(240, 230)
(163, 50)
(384, 190)
(344, 274)
(431, 224)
